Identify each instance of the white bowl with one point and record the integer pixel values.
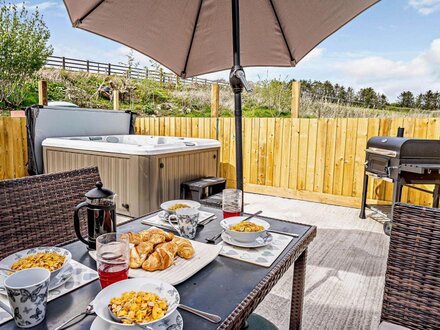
(9, 260)
(162, 289)
(243, 236)
(166, 205)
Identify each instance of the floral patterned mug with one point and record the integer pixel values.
(27, 292)
(187, 220)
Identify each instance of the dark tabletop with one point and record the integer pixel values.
(218, 288)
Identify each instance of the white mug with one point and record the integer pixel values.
(187, 221)
(27, 293)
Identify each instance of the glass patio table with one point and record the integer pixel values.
(226, 287)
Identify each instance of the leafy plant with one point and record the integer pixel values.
(23, 51)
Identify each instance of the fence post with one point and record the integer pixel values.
(42, 92)
(88, 65)
(296, 94)
(115, 99)
(146, 72)
(161, 75)
(215, 99)
(64, 63)
(109, 69)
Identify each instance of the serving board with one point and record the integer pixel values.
(182, 269)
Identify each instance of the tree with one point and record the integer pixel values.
(429, 100)
(406, 99)
(24, 50)
(368, 97)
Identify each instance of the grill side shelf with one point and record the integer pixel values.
(420, 168)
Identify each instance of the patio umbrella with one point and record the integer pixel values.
(194, 37)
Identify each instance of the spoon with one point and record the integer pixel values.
(251, 216)
(7, 269)
(120, 318)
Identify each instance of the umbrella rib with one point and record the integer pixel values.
(79, 21)
(183, 74)
(282, 31)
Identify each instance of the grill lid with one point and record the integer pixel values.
(406, 147)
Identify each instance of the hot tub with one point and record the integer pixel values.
(143, 171)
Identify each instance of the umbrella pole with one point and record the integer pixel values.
(237, 81)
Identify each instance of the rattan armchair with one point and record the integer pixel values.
(412, 282)
(38, 210)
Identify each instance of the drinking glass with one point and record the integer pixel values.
(232, 202)
(112, 258)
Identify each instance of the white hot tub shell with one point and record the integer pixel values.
(143, 171)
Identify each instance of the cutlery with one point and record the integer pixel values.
(207, 316)
(214, 238)
(251, 216)
(7, 269)
(208, 220)
(121, 318)
(89, 311)
(282, 233)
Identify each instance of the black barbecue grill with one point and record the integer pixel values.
(403, 161)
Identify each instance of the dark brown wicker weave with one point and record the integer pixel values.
(38, 210)
(412, 282)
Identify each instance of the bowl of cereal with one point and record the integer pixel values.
(244, 231)
(172, 206)
(141, 300)
(53, 258)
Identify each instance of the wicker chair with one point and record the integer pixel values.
(38, 210)
(412, 282)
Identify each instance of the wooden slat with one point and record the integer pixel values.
(262, 152)
(3, 174)
(278, 148)
(294, 153)
(341, 134)
(359, 158)
(270, 152)
(320, 155)
(350, 151)
(286, 151)
(311, 154)
(254, 152)
(329, 156)
(302, 153)
(247, 148)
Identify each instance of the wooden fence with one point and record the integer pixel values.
(319, 160)
(13, 147)
(73, 64)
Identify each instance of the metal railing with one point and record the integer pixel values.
(72, 64)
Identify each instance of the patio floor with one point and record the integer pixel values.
(345, 266)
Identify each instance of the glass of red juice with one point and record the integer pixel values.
(232, 202)
(112, 257)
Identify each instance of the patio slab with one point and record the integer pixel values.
(345, 266)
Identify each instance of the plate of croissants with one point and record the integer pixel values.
(156, 253)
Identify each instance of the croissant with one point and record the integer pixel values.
(156, 235)
(133, 238)
(139, 254)
(184, 248)
(161, 258)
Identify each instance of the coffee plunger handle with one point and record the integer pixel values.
(77, 224)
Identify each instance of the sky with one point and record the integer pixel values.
(393, 46)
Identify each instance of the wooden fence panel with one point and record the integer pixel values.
(313, 159)
(13, 148)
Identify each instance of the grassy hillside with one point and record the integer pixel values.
(151, 98)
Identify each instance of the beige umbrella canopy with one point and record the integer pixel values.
(194, 37)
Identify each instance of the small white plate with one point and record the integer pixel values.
(174, 321)
(259, 242)
(54, 283)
